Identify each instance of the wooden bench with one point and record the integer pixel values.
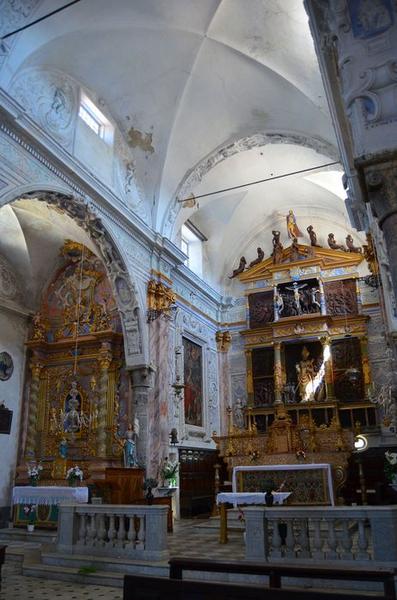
(2, 559)
(158, 588)
(276, 572)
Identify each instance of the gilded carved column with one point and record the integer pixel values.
(278, 378)
(105, 359)
(365, 364)
(250, 378)
(30, 448)
(328, 372)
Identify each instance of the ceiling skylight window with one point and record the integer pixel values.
(92, 116)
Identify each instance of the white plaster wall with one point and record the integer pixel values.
(12, 338)
(95, 152)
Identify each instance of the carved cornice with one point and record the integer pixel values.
(223, 340)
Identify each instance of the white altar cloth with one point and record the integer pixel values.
(48, 495)
(236, 498)
(298, 467)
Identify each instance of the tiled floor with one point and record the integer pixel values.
(191, 539)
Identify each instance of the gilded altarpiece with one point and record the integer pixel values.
(79, 394)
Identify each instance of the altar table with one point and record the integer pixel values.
(47, 499)
(320, 493)
(242, 498)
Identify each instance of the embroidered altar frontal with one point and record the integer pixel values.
(308, 486)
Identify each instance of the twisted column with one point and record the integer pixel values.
(30, 448)
(278, 379)
(105, 358)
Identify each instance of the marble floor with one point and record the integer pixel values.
(191, 539)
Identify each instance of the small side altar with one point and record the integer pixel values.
(47, 499)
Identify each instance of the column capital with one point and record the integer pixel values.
(381, 180)
(143, 376)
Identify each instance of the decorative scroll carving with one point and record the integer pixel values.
(122, 287)
(223, 340)
(9, 288)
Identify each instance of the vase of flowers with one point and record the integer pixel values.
(169, 473)
(30, 512)
(391, 468)
(74, 476)
(34, 471)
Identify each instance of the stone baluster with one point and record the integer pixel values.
(90, 531)
(332, 541)
(30, 448)
(131, 532)
(105, 358)
(121, 532)
(140, 537)
(346, 541)
(112, 530)
(278, 379)
(362, 552)
(290, 539)
(82, 529)
(276, 540)
(317, 551)
(303, 539)
(101, 531)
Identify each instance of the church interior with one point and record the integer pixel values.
(198, 282)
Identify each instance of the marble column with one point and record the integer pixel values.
(278, 378)
(250, 378)
(104, 360)
(323, 306)
(31, 435)
(142, 386)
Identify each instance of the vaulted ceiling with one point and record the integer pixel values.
(208, 94)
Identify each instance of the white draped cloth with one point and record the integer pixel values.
(48, 495)
(236, 498)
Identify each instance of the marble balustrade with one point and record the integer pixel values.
(125, 531)
(359, 533)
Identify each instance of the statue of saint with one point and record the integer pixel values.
(279, 303)
(350, 245)
(292, 228)
(306, 373)
(294, 250)
(277, 253)
(63, 448)
(261, 256)
(313, 236)
(129, 449)
(332, 243)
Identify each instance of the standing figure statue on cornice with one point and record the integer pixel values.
(277, 253)
(292, 227)
(313, 236)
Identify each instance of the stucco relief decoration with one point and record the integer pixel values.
(8, 283)
(370, 17)
(212, 374)
(51, 99)
(6, 366)
(13, 14)
(122, 287)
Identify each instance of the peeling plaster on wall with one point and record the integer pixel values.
(136, 139)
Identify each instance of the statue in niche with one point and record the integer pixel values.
(294, 250)
(350, 245)
(306, 372)
(129, 449)
(239, 269)
(279, 303)
(314, 303)
(261, 256)
(312, 236)
(277, 253)
(72, 420)
(296, 289)
(333, 244)
(239, 414)
(292, 227)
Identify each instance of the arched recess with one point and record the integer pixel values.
(195, 175)
(123, 288)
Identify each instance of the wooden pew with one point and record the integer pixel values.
(2, 559)
(158, 588)
(276, 572)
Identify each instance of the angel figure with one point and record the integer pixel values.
(261, 256)
(239, 269)
(332, 243)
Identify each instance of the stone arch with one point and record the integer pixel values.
(123, 287)
(195, 175)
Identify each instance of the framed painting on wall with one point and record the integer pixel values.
(193, 380)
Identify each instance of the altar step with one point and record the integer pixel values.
(21, 534)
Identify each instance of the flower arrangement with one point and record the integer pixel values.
(34, 471)
(30, 511)
(73, 475)
(390, 465)
(169, 472)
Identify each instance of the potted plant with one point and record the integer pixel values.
(30, 512)
(74, 475)
(34, 471)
